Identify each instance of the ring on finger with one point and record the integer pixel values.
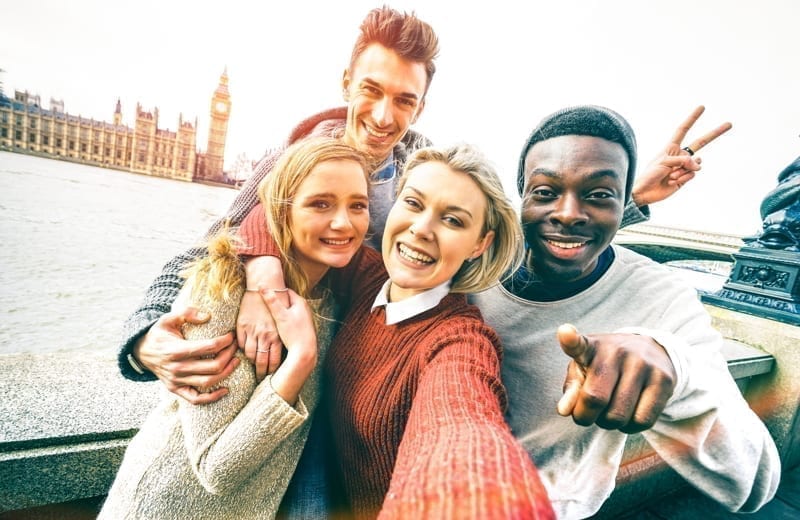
(688, 150)
(263, 351)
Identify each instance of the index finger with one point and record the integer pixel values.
(683, 129)
(575, 345)
(710, 136)
(208, 348)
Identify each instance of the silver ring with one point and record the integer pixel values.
(688, 150)
(263, 351)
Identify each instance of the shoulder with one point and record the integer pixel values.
(639, 274)
(321, 123)
(456, 322)
(369, 265)
(410, 143)
(637, 264)
(359, 278)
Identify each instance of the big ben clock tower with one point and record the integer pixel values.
(218, 130)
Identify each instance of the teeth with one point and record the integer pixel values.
(336, 242)
(414, 256)
(375, 133)
(566, 245)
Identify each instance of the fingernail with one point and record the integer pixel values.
(202, 315)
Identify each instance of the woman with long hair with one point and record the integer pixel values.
(234, 458)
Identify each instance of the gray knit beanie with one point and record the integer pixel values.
(591, 120)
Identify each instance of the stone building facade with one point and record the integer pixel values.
(27, 127)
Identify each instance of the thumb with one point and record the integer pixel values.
(572, 387)
(276, 300)
(575, 345)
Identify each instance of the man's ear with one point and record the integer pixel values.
(346, 85)
(420, 108)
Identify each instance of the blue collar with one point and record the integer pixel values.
(385, 171)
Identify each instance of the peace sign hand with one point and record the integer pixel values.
(676, 164)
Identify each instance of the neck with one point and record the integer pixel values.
(313, 280)
(314, 273)
(398, 294)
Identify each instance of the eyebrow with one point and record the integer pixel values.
(598, 174)
(329, 195)
(408, 95)
(448, 208)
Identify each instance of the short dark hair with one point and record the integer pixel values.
(403, 33)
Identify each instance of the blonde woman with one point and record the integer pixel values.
(234, 458)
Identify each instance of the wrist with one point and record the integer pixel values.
(302, 360)
(290, 377)
(133, 358)
(263, 271)
(135, 365)
(637, 199)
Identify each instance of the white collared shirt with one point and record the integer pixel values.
(410, 307)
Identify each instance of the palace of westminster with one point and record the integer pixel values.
(26, 127)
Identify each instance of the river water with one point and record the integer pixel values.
(80, 244)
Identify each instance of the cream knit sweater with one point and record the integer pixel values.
(229, 459)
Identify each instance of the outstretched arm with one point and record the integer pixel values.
(688, 406)
(458, 458)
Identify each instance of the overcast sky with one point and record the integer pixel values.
(503, 66)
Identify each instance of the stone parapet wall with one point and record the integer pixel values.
(68, 417)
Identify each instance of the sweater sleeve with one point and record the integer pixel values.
(458, 458)
(633, 214)
(255, 234)
(164, 289)
(230, 439)
(707, 432)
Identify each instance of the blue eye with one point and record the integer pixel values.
(412, 202)
(453, 221)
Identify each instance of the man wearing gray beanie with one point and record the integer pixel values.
(590, 120)
(626, 312)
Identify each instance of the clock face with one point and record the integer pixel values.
(221, 107)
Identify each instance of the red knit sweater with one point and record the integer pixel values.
(416, 407)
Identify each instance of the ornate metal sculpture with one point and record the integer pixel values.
(765, 280)
(780, 212)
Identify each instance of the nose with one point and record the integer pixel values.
(382, 112)
(341, 220)
(421, 227)
(569, 210)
